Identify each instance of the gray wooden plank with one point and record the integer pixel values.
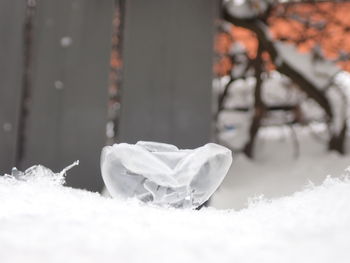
(67, 120)
(167, 73)
(12, 16)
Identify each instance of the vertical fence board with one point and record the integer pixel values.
(12, 16)
(167, 73)
(67, 118)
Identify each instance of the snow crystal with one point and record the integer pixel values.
(41, 173)
(7, 127)
(47, 222)
(58, 85)
(66, 41)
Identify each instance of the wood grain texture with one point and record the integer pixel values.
(67, 119)
(12, 16)
(168, 56)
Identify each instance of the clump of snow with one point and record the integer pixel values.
(247, 9)
(39, 173)
(47, 222)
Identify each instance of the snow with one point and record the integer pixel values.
(318, 72)
(247, 9)
(286, 157)
(58, 85)
(276, 89)
(43, 221)
(66, 41)
(280, 166)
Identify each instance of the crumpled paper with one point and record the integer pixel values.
(164, 175)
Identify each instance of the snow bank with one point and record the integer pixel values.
(43, 221)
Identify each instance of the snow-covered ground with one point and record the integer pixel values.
(43, 221)
(304, 218)
(276, 171)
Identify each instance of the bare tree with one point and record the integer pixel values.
(313, 22)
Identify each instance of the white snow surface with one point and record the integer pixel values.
(280, 166)
(43, 221)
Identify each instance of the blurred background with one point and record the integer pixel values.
(266, 78)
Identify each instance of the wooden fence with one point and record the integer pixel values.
(54, 112)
